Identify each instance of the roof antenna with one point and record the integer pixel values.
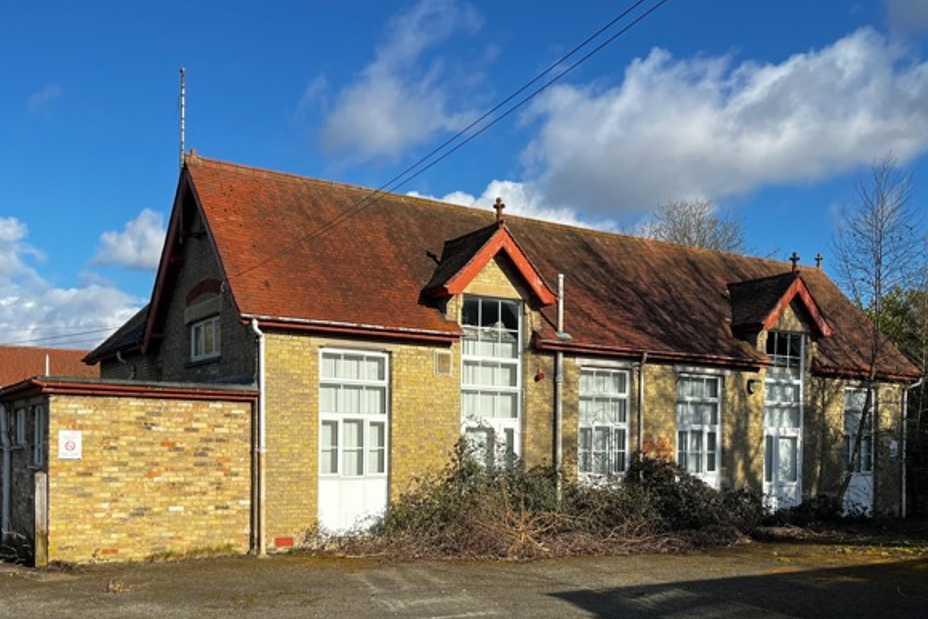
(183, 103)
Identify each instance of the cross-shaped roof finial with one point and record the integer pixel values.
(498, 207)
(818, 261)
(795, 260)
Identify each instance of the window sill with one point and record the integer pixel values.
(203, 361)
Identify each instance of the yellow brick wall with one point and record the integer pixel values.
(823, 434)
(424, 422)
(157, 476)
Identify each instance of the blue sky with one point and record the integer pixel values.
(773, 110)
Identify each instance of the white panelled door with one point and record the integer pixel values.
(353, 439)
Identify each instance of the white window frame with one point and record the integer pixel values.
(481, 336)
(612, 455)
(784, 403)
(695, 437)
(213, 325)
(865, 462)
(38, 436)
(374, 454)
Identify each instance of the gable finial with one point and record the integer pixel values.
(818, 261)
(498, 207)
(795, 260)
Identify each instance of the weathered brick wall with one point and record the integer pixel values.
(22, 476)
(173, 362)
(824, 437)
(157, 476)
(743, 431)
(237, 361)
(888, 451)
(659, 436)
(823, 427)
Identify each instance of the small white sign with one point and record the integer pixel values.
(69, 444)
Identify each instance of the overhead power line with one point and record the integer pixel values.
(58, 338)
(458, 140)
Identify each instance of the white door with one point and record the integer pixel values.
(353, 439)
(783, 421)
(858, 498)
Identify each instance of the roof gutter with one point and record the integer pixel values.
(622, 351)
(347, 328)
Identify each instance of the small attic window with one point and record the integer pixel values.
(205, 330)
(205, 339)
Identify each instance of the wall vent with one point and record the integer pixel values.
(442, 363)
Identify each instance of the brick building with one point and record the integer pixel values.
(373, 330)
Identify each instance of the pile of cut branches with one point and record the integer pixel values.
(513, 513)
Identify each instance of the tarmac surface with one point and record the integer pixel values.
(754, 580)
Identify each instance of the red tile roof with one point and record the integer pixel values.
(21, 362)
(327, 255)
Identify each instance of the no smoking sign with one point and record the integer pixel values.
(69, 444)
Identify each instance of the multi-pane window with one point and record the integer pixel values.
(855, 403)
(783, 406)
(602, 441)
(38, 436)
(491, 375)
(19, 437)
(785, 350)
(205, 339)
(698, 413)
(353, 396)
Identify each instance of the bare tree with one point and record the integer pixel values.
(695, 223)
(879, 246)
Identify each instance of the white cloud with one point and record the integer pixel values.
(34, 312)
(908, 15)
(40, 99)
(138, 246)
(396, 103)
(523, 200)
(707, 127)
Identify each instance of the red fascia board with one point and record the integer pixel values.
(862, 374)
(146, 390)
(355, 330)
(618, 351)
(799, 288)
(167, 256)
(502, 240)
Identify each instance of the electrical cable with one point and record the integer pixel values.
(420, 166)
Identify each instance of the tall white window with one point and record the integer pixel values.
(602, 440)
(854, 402)
(205, 339)
(353, 411)
(698, 426)
(783, 407)
(491, 377)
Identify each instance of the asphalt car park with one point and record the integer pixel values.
(752, 580)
